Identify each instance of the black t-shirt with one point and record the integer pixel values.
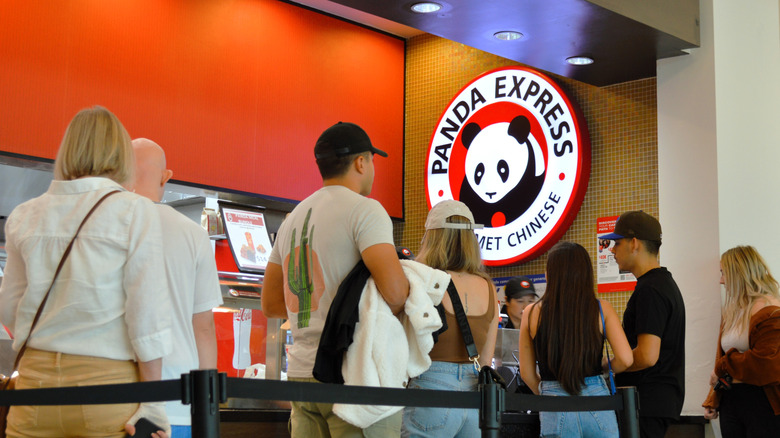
(656, 307)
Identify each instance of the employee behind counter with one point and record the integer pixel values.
(519, 292)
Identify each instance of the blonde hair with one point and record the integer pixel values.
(95, 144)
(747, 279)
(452, 249)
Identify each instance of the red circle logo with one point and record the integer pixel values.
(514, 148)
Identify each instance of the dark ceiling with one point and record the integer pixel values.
(623, 49)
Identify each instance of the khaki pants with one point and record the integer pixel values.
(309, 420)
(44, 369)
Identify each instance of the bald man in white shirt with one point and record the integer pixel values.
(192, 278)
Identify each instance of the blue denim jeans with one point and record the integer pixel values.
(443, 422)
(181, 431)
(597, 424)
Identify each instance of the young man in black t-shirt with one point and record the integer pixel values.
(654, 322)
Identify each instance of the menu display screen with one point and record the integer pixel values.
(246, 232)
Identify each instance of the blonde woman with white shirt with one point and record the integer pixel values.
(107, 318)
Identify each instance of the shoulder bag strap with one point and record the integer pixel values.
(463, 323)
(56, 273)
(604, 341)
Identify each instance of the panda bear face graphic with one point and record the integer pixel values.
(504, 170)
(488, 169)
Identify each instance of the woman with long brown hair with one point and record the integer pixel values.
(746, 378)
(563, 331)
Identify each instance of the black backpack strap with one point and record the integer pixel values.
(463, 323)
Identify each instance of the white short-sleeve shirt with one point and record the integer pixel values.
(317, 246)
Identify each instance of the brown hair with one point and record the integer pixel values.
(652, 246)
(568, 331)
(95, 144)
(335, 166)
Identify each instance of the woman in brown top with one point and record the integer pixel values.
(449, 244)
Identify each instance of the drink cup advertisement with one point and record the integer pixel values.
(610, 277)
(241, 336)
(242, 328)
(248, 236)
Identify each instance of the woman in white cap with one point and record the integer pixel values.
(449, 244)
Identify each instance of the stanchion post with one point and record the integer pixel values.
(491, 409)
(205, 403)
(629, 424)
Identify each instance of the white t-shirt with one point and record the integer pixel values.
(109, 300)
(342, 224)
(192, 277)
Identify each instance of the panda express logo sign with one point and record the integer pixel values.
(515, 149)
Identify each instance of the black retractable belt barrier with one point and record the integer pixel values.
(629, 424)
(260, 389)
(492, 389)
(95, 395)
(625, 403)
(205, 389)
(552, 403)
(207, 392)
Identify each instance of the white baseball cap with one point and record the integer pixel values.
(437, 217)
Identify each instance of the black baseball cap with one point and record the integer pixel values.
(518, 287)
(344, 139)
(636, 224)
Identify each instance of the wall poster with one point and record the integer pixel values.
(609, 277)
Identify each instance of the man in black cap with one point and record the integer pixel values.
(654, 322)
(318, 244)
(519, 292)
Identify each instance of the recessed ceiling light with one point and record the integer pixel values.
(579, 60)
(508, 35)
(426, 7)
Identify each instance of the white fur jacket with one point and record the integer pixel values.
(387, 351)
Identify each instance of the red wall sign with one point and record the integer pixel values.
(236, 92)
(514, 148)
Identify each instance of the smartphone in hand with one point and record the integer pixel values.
(144, 429)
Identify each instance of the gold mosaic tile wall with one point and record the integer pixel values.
(623, 129)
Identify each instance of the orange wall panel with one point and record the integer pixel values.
(236, 91)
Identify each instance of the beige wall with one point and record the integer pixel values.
(718, 155)
(688, 201)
